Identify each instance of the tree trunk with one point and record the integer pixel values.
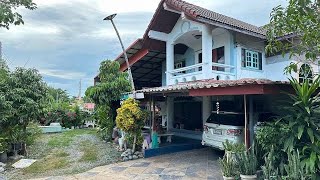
(134, 143)
(24, 144)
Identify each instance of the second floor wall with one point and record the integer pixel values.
(197, 51)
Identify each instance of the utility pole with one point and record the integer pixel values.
(110, 18)
(79, 95)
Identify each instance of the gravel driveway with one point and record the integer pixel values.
(195, 164)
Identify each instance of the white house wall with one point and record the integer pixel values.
(182, 27)
(272, 67)
(275, 67)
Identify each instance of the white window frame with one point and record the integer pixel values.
(252, 59)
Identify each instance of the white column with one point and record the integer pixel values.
(169, 62)
(206, 108)
(251, 120)
(207, 51)
(170, 112)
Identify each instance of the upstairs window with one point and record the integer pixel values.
(305, 73)
(251, 59)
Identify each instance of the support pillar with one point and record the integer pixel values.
(170, 112)
(169, 62)
(251, 120)
(207, 51)
(206, 108)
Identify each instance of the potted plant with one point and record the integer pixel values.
(231, 149)
(3, 150)
(269, 170)
(228, 168)
(247, 165)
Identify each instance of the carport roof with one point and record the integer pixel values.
(222, 87)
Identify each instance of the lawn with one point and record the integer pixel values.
(69, 152)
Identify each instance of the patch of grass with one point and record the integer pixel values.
(51, 162)
(90, 152)
(59, 141)
(64, 139)
(62, 154)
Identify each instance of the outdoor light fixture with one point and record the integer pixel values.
(110, 18)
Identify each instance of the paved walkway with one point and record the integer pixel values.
(196, 164)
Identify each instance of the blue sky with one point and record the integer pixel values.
(66, 40)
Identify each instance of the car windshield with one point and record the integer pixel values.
(231, 119)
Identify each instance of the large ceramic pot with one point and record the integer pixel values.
(248, 177)
(3, 157)
(228, 178)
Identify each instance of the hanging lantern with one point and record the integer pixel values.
(218, 106)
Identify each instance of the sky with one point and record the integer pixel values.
(67, 40)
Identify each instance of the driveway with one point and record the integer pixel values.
(195, 164)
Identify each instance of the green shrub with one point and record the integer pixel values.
(131, 119)
(270, 137)
(33, 132)
(3, 145)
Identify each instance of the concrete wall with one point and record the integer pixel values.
(183, 32)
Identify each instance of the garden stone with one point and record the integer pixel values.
(136, 153)
(123, 154)
(1, 169)
(135, 157)
(23, 163)
(129, 151)
(140, 156)
(2, 164)
(130, 157)
(125, 159)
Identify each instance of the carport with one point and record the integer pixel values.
(213, 89)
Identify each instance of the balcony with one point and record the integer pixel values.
(194, 73)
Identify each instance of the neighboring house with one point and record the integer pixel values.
(190, 58)
(88, 107)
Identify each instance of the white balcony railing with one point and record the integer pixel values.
(183, 70)
(222, 67)
(194, 72)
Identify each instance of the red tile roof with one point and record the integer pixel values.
(211, 83)
(205, 15)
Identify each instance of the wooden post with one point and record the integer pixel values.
(153, 115)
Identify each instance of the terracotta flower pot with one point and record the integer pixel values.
(228, 178)
(248, 177)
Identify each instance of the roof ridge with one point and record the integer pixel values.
(186, 7)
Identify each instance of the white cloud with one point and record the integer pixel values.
(67, 39)
(63, 74)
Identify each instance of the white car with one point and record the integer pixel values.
(223, 126)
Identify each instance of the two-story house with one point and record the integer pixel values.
(190, 58)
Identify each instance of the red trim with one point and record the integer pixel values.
(239, 90)
(134, 43)
(153, 20)
(134, 58)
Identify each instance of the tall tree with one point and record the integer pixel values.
(8, 13)
(5, 105)
(112, 84)
(26, 90)
(295, 29)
